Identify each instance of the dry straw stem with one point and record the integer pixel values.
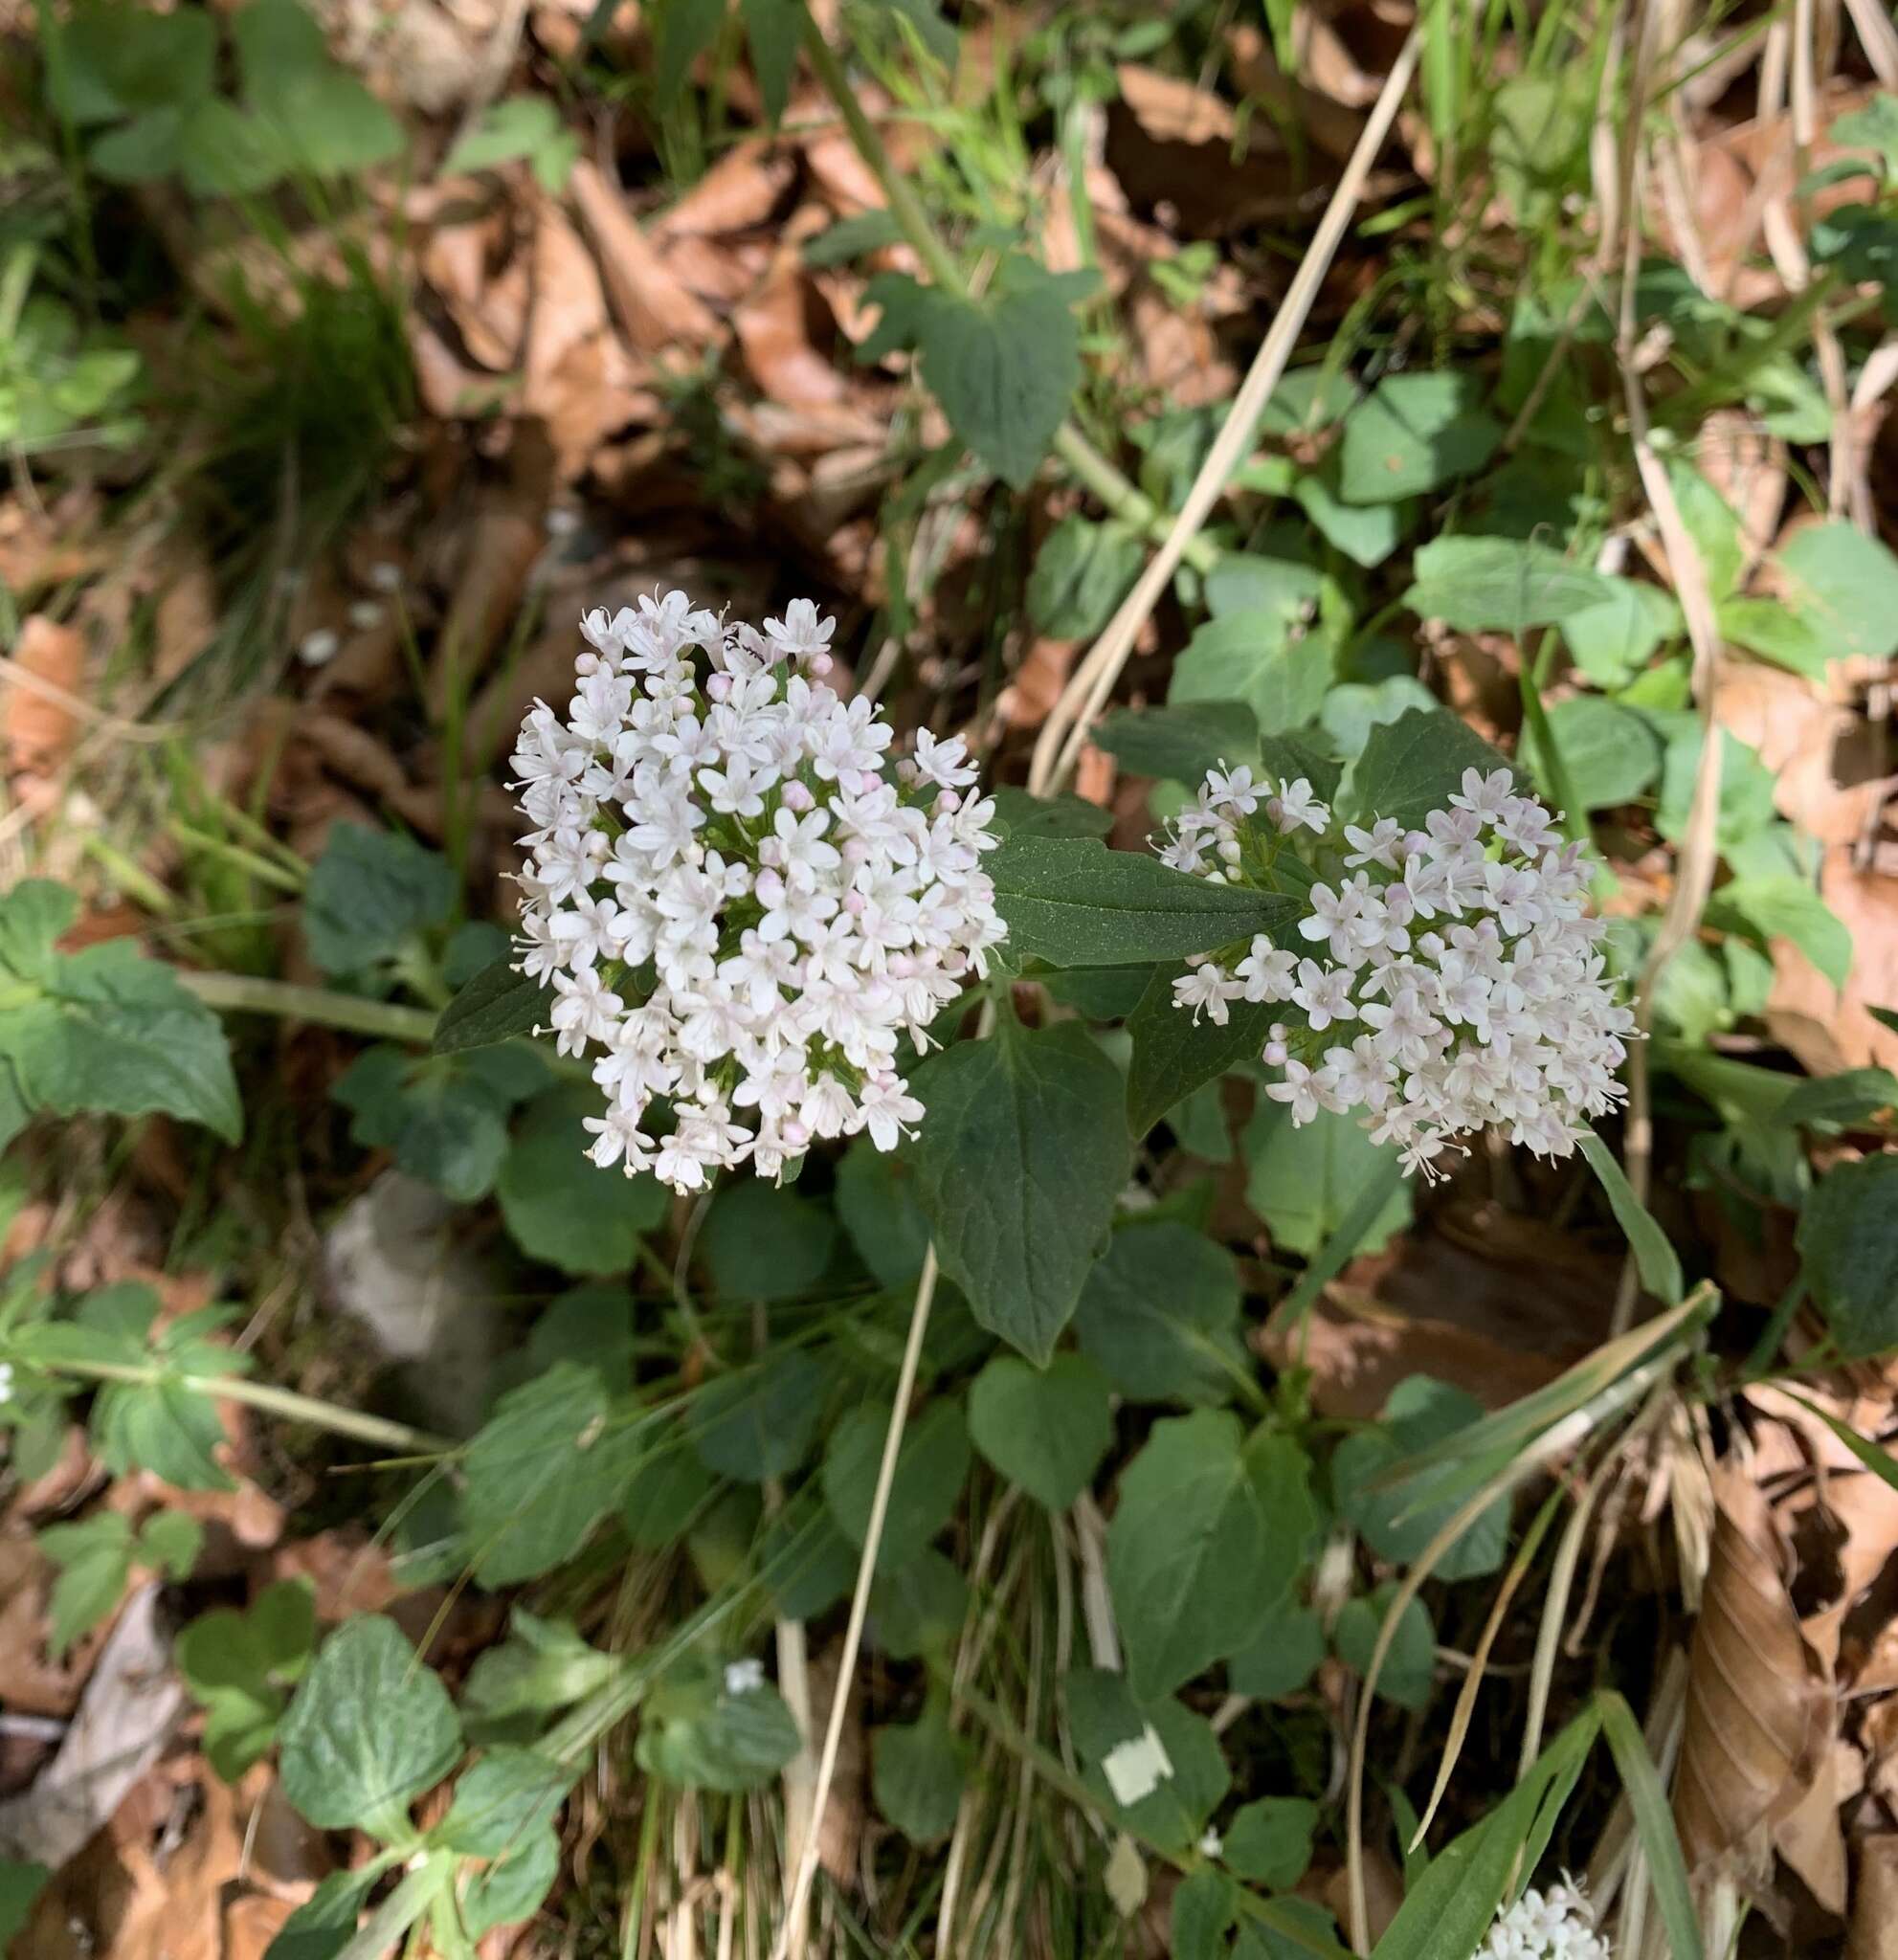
(1699, 852)
(1058, 748)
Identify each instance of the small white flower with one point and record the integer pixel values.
(5, 1381)
(319, 648)
(1210, 1843)
(1137, 1767)
(1207, 990)
(1296, 804)
(744, 1676)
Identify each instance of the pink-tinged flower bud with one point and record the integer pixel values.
(854, 902)
(949, 802)
(719, 687)
(857, 852)
(795, 1133)
(1274, 1055)
(797, 799)
(820, 664)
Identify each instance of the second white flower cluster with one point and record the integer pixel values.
(739, 903)
(1454, 980)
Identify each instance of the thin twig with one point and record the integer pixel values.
(1058, 748)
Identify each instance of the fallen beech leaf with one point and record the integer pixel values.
(741, 190)
(1798, 733)
(1873, 1934)
(579, 378)
(1759, 1714)
(1829, 1031)
(778, 328)
(649, 301)
(38, 729)
(1170, 110)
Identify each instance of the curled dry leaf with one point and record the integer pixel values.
(740, 190)
(779, 330)
(1759, 1713)
(1170, 110)
(1799, 735)
(650, 301)
(39, 728)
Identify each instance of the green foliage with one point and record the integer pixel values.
(917, 1771)
(761, 1242)
(1782, 906)
(1181, 741)
(147, 85)
(541, 1473)
(495, 1005)
(1019, 1163)
(60, 382)
(1849, 1249)
(1507, 584)
(367, 1730)
(1251, 657)
(1409, 1666)
(542, 1666)
(241, 1667)
(1611, 755)
(1208, 1533)
(1414, 434)
(1412, 766)
(760, 1421)
(1045, 1429)
(518, 128)
(919, 1608)
(1082, 573)
(930, 1467)
(876, 1204)
(1282, 1656)
(100, 1029)
(96, 1557)
(444, 1117)
(1073, 903)
(562, 1209)
(1658, 1264)
(1269, 1840)
(1103, 1713)
(700, 1735)
(1304, 1180)
(369, 893)
(1159, 1315)
(1004, 368)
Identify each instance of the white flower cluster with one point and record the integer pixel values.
(1455, 963)
(1556, 1925)
(732, 896)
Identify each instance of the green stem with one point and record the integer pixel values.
(241, 994)
(259, 867)
(1084, 461)
(270, 1399)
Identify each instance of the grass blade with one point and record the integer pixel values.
(1654, 1820)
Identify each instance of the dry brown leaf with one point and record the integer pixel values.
(1037, 683)
(1828, 1029)
(650, 301)
(187, 612)
(1799, 735)
(1170, 110)
(783, 332)
(489, 310)
(1759, 1714)
(720, 273)
(38, 729)
(46, 544)
(1873, 1934)
(740, 190)
(1330, 123)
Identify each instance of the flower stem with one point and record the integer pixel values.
(1084, 461)
(242, 993)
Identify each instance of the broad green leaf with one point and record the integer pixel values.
(1412, 766)
(759, 1422)
(1839, 1102)
(168, 1424)
(1268, 1842)
(1182, 742)
(1873, 127)
(1615, 639)
(1355, 708)
(368, 893)
(668, 1485)
(1159, 1314)
(278, 43)
(1276, 584)
(325, 1923)
(1794, 640)
(1746, 784)
(515, 127)
(1409, 1668)
(542, 1472)
(1082, 573)
(1250, 657)
(141, 152)
(95, 1560)
(700, 1735)
(1421, 1413)
(1611, 753)
(1504, 584)
(1304, 1178)
(1846, 584)
(1074, 904)
(1660, 1266)
(930, 1467)
(919, 1608)
(1366, 533)
(762, 1243)
(242, 1666)
(561, 1208)
(542, 1666)
(369, 1729)
(1412, 433)
(495, 1005)
(170, 1542)
(1044, 1428)
(1103, 1713)
(1281, 1656)
(1849, 1244)
(446, 1127)
(1289, 1928)
(1019, 1164)
(1174, 1054)
(1196, 1552)
(1003, 371)
(1539, 142)
(512, 1889)
(1205, 1904)
(34, 914)
(502, 1799)
(806, 1564)
(876, 1201)
(917, 1773)
(121, 57)
(1785, 907)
